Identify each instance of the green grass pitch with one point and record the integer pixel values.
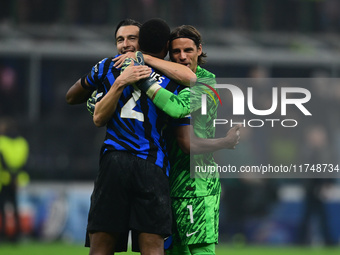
(57, 248)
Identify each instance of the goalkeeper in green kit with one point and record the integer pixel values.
(195, 201)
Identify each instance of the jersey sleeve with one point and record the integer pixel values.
(95, 76)
(187, 101)
(177, 106)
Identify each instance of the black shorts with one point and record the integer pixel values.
(130, 193)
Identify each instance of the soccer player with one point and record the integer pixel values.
(131, 190)
(195, 201)
(197, 198)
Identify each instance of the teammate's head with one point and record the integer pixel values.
(153, 37)
(126, 35)
(186, 46)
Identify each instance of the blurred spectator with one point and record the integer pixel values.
(235, 190)
(259, 79)
(329, 12)
(14, 151)
(245, 197)
(71, 12)
(229, 12)
(8, 92)
(4, 11)
(317, 151)
(42, 11)
(150, 7)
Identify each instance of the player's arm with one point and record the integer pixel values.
(83, 88)
(176, 106)
(79, 92)
(107, 105)
(179, 73)
(190, 143)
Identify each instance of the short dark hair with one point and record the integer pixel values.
(154, 36)
(190, 32)
(127, 22)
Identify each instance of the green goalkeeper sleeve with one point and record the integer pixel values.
(177, 106)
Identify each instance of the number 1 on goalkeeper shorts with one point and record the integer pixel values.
(190, 213)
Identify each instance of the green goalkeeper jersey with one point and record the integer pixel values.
(181, 183)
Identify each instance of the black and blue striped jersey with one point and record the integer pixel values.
(137, 124)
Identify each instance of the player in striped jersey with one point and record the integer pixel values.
(131, 190)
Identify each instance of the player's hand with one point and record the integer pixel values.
(91, 102)
(133, 73)
(232, 137)
(118, 61)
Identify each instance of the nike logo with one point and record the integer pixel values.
(188, 235)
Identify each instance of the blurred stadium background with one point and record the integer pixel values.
(46, 45)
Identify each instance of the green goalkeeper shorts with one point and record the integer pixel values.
(196, 219)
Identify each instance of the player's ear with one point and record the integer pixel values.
(199, 50)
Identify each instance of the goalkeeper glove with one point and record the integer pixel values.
(148, 85)
(91, 102)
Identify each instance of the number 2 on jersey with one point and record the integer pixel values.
(127, 110)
